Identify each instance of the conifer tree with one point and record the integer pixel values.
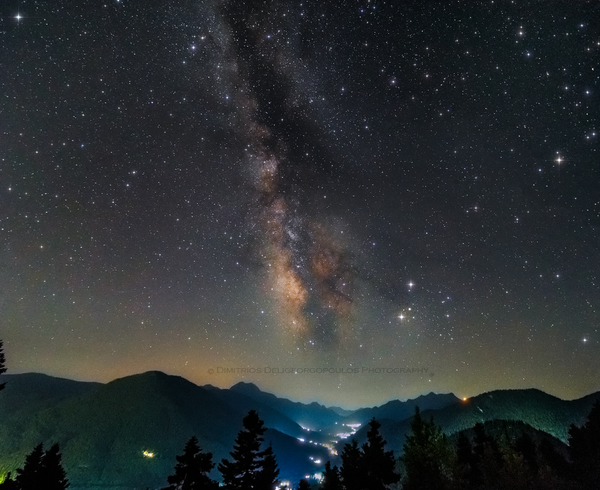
(250, 469)
(268, 474)
(554, 460)
(52, 472)
(487, 460)
(29, 477)
(351, 471)
(304, 484)
(378, 465)
(42, 470)
(464, 462)
(428, 458)
(331, 478)
(464, 450)
(192, 468)
(584, 450)
(527, 448)
(2, 364)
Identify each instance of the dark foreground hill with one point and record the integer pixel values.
(535, 408)
(104, 430)
(35, 390)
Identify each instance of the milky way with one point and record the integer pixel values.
(309, 271)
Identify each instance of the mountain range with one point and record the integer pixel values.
(124, 435)
(540, 411)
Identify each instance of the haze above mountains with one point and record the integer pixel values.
(107, 431)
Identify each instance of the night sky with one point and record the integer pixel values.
(409, 186)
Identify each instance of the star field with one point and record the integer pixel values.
(303, 184)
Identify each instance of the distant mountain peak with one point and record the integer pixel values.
(431, 395)
(144, 375)
(155, 373)
(244, 387)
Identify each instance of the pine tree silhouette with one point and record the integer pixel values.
(378, 465)
(52, 473)
(331, 478)
(527, 448)
(42, 470)
(250, 469)
(351, 471)
(487, 461)
(465, 461)
(584, 450)
(2, 364)
(553, 459)
(267, 476)
(304, 484)
(428, 458)
(28, 477)
(192, 468)
(464, 450)
(368, 468)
